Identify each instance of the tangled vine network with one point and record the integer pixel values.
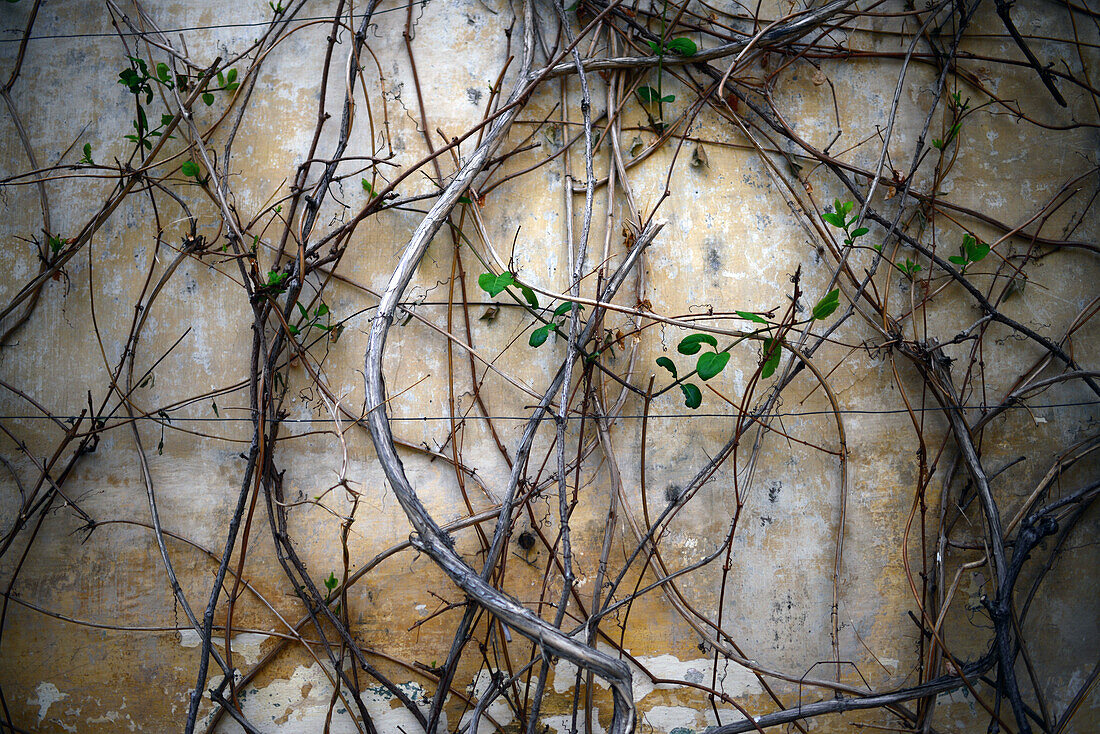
(519, 365)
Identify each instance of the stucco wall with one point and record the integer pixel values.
(731, 240)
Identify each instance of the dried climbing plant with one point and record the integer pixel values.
(569, 392)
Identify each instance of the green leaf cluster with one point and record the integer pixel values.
(539, 336)
(708, 365)
(314, 321)
(139, 81)
(494, 285)
(972, 251)
(958, 107)
(649, 95)
(838, 217)
(227, 82)
(680, 46)
(908, 268)
(276, 282)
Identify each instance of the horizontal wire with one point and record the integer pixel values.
(186, 29)
(589, 416)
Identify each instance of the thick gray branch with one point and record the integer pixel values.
(430, 538)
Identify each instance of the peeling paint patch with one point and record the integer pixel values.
(247, 644)
(189, 638)
(564, 724)
(732, 679)
(48, 695)
(565, 675)
(299, 705)
(670, 718)
(498, 709)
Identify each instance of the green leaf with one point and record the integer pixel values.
(163, 72)
(755, 318)
(974, 249)
(208, 98)
(302, 310)
(529, 295)
(321, 310)
(648, 94)
(464, 200)
(669, 365)
(682, 46)
(231, 76)
(190, 168)
(958, 260)
(539, 335)
(215, 407)
(331, 582)
(293, 329)
(693, 398)
(166, 120)
(494, 284)
(274, 277)
(848, 206)
(669, 98)
(711, 363)
(221, 79)
(860, 232)
(565, 307)
(130, 79)
(773, 356)
(367, 187)
(937, 144)
(654, 47)
(692, 343)
(833, 218)
(87, 155)
(827, 304)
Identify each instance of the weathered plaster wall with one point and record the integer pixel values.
(731, 243)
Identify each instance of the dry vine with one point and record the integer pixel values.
(563, 562)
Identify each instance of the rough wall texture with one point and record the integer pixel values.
(844, 525)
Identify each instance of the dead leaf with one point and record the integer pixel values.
(819, 77)
(699, 158)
